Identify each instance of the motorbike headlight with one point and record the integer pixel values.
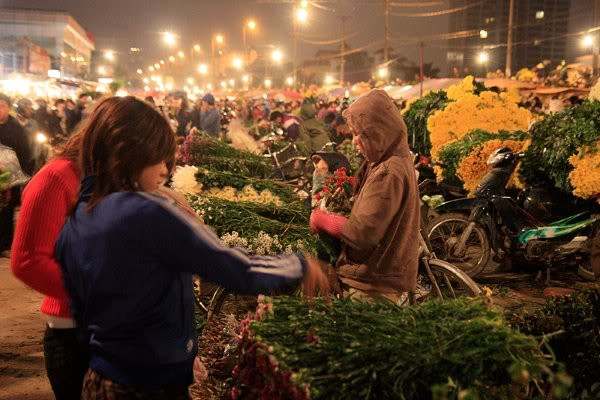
(41, 138)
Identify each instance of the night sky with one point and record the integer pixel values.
(121, 24)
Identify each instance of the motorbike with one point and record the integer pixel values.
(468, 230)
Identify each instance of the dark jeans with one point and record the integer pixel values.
(67, 360)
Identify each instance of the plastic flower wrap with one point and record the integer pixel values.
(184, 180)
(474, 167)
(585, 177)
(337, 195)
(488, 111)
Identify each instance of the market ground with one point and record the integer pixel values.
(22, 374)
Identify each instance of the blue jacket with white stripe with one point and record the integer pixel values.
(128, 268)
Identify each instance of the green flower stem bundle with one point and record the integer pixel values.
(212, 178)
(453, 153)
(204, 151)
(356, 350)
(556, 138)
(289, 222)
(416, 119)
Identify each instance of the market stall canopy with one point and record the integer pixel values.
(504, 83)
(412, 91)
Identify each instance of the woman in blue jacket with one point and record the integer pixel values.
(128, 256)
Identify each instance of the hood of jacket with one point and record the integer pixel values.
(308, 111)
(375, 117)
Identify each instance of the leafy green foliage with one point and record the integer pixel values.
(416, 119)
(555, 139)
(575, 322)
(357, 350)
(453, 153)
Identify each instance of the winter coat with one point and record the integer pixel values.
(381, 245)
(313, 132)
(13, 135)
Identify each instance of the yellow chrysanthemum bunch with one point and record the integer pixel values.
(585, 177)
(474, 167)
(488, 111)
(461, 90)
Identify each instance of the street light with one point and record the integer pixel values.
(157, 66)
(329, 79)
(587, 41)
(289, 81)
(304, 3)
(203, 69)
(277, 56)
(172, 59)
(232, 82)
(162, 62)
(190, 81)
(101, 70)
(383, 72)
(251, 25)
(483, 34)
(237, 63)
(151, 68)
(169, 39)
(483, 57)
(197, 48)
(301, 15)
(223, 84)
(219, 39)
(268, 83)
(109, 55)
(180, 54)
(139, 71)
(245, 78)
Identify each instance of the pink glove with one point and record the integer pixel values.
(332, 224)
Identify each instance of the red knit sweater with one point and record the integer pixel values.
(46, 203)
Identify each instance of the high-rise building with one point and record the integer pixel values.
(68, 46)
(539, 33)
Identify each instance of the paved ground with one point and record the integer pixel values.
(22, 373)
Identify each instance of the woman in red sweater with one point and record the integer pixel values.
(47, 201)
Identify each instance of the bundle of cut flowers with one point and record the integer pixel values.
(337, 194)
(247, 221)
(460, 349)
(202, 150)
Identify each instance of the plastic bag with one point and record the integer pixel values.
(11, 174)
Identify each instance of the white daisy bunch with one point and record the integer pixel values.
(595, 92)
(184, 180)
(248, 193)
(263, 244)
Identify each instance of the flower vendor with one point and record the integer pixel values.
(380, 238)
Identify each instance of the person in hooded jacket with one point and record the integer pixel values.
(380, 245)
(313, 132)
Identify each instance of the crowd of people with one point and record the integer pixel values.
(113, 250)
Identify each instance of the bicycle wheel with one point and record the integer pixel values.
(443, 281)
(444, 233)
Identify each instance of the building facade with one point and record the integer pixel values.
(539, 34)
(68, 46)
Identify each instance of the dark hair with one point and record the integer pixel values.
(5, 98)
(274, 115)
(59, 101)
(329, 118)
(83, 95)
(121, 137)
(70, 101)
(150, 100)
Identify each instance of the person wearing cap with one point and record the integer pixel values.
(210, 120)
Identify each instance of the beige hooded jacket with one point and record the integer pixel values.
(381, 242)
